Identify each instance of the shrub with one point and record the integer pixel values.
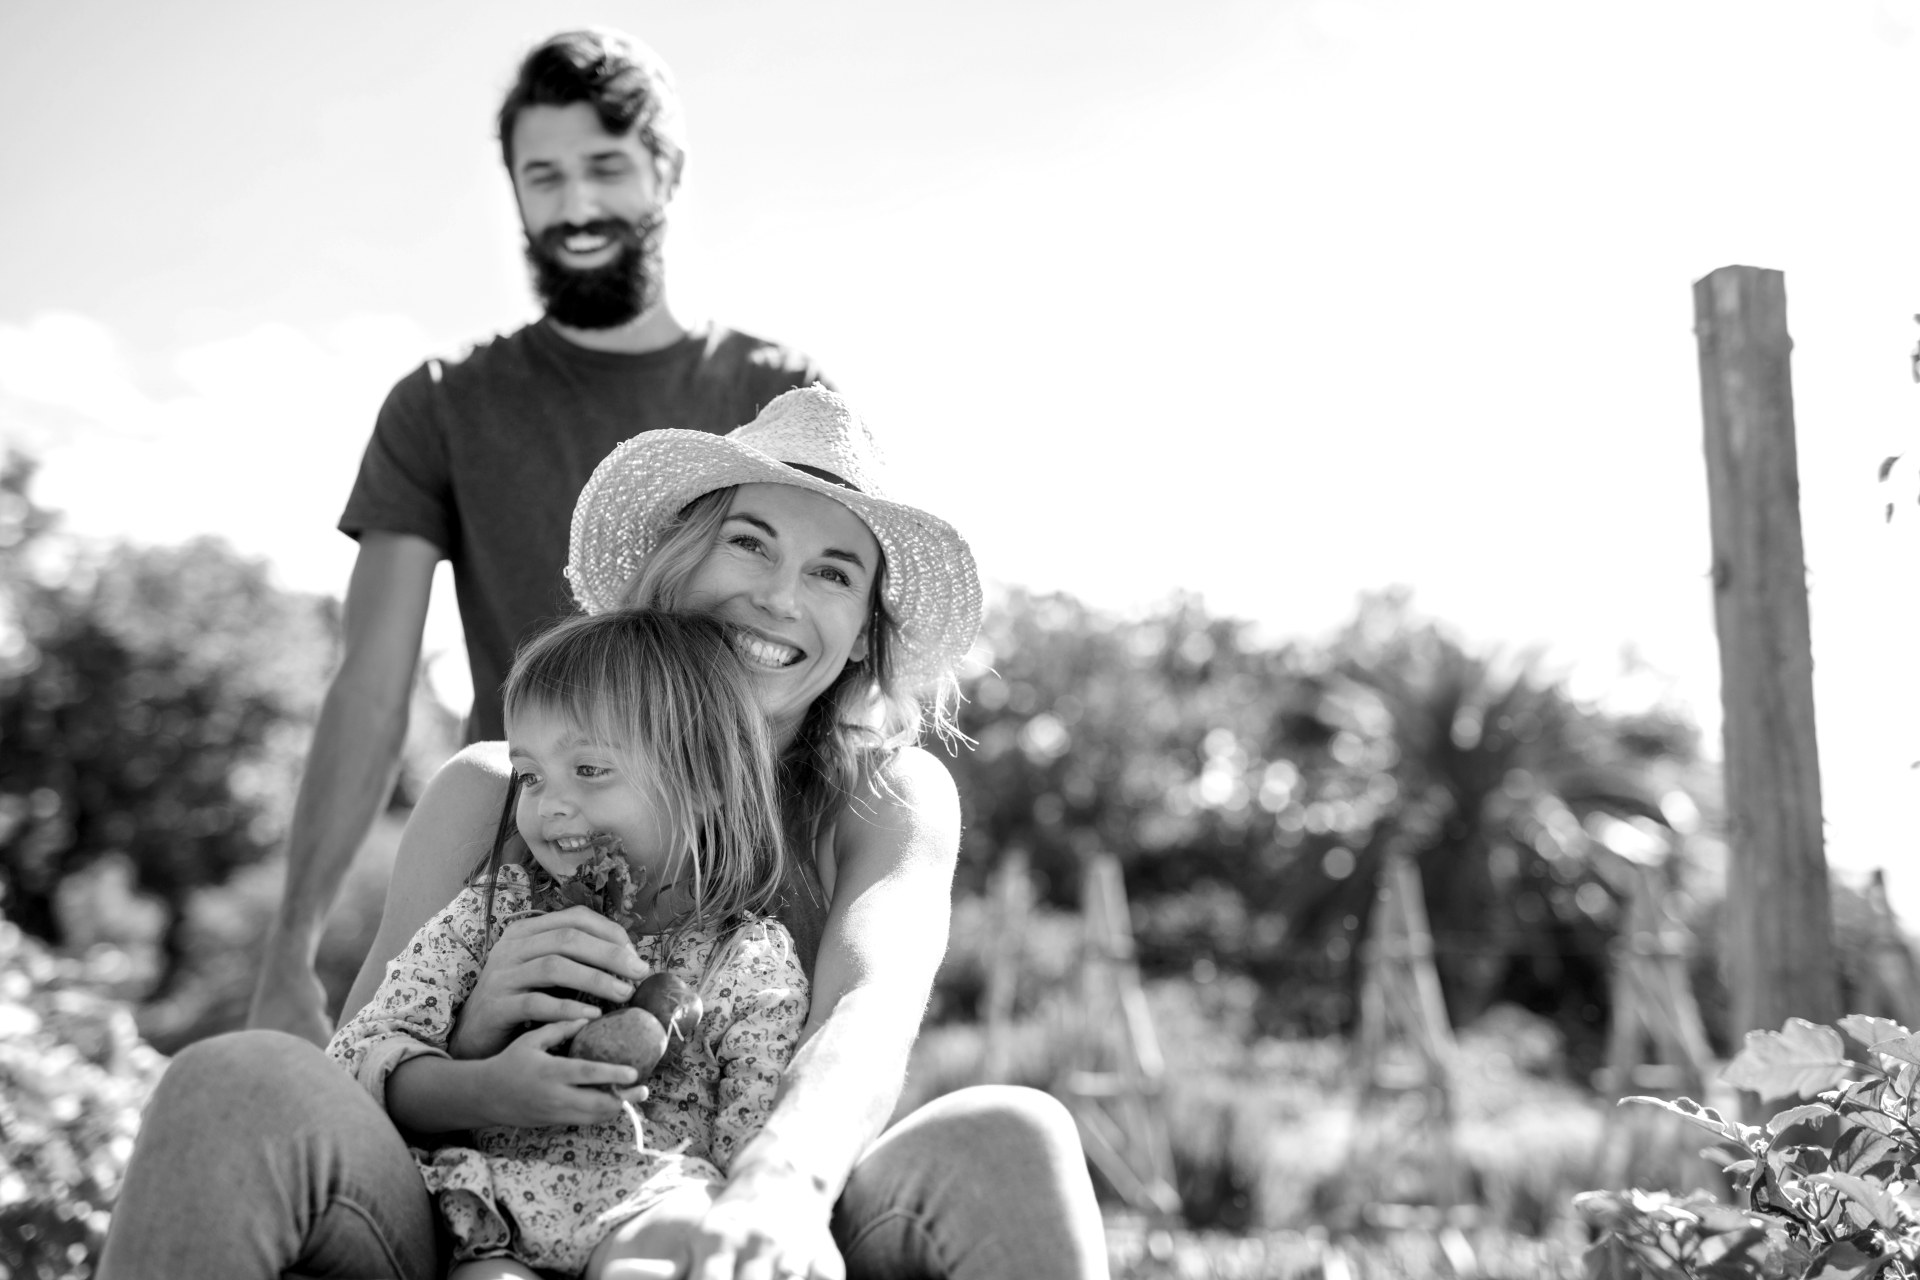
(73, 1077)
(1825, 1187)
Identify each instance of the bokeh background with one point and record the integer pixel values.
(1314, 380)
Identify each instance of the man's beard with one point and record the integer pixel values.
(609, 295)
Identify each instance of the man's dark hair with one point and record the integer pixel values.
(624, 81)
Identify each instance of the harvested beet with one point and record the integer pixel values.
(674, 1004)
(628, 1037)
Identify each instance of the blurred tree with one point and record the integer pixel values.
(1506, 791)
(1252, 790)
(154, 702)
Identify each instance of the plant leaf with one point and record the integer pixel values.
(1800, 1059)
(1612, 1258)
(1872, 1197)
(1865, 1151)
(1845, 1262)
(1902, 1048)
(1796, 1115)
(1871, 1031)
(1720, 1219)
(1706, 1117)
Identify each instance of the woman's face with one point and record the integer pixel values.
(793, 573)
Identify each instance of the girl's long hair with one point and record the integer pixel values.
(666, 696)
(853, 730)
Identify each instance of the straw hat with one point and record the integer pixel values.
(809, 438)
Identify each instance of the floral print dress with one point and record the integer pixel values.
(548, 1196)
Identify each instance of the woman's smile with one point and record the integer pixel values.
(756, 650)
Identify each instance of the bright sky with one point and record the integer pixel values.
(1273, 301)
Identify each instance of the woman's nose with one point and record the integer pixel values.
(777, 595)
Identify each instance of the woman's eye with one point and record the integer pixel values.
(837, 575)
(745, 541)
(592, 770)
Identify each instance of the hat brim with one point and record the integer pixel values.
(932, 587)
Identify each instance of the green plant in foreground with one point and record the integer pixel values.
(1826, 1188)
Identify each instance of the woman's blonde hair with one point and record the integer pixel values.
(853, 730)
(665, 694)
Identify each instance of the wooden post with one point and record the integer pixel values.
(1779, 957)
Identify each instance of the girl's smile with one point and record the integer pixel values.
(578, 797)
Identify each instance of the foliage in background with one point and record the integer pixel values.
(73, 1077)
(1251, 790)
(1826, 1189)
(154, 705)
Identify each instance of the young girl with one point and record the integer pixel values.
(634, 731)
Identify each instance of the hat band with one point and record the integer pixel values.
(821, 474)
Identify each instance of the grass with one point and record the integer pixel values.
(1139, 1251)
(1282, 1175)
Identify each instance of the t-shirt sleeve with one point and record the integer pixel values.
(404, 485)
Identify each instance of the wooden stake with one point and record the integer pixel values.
(1012, 895)
(1404, 1057)
(1779, 956)
(1892, 978)
(1114, 1089)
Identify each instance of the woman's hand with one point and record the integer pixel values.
(577, 949)
(769, 1223)
(533, 1088)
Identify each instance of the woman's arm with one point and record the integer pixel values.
(447, 834)
(885, 936)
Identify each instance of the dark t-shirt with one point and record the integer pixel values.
(483, 457)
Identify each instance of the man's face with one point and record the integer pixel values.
(593, 205)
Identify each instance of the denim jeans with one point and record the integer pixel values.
(259, 1157)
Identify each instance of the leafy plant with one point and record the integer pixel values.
(1825, 1188)
(73, 1078)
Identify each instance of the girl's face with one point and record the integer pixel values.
(572, 790)
(793, 573)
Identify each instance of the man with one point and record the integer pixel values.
(479, 460)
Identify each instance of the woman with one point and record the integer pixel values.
(851, 612)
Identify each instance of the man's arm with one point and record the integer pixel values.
(350, 769)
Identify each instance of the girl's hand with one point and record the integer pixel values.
(768, 1221)
(534, 1088)
(577, 949)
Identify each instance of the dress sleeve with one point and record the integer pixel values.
(412, 1012)
(769, 1009)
